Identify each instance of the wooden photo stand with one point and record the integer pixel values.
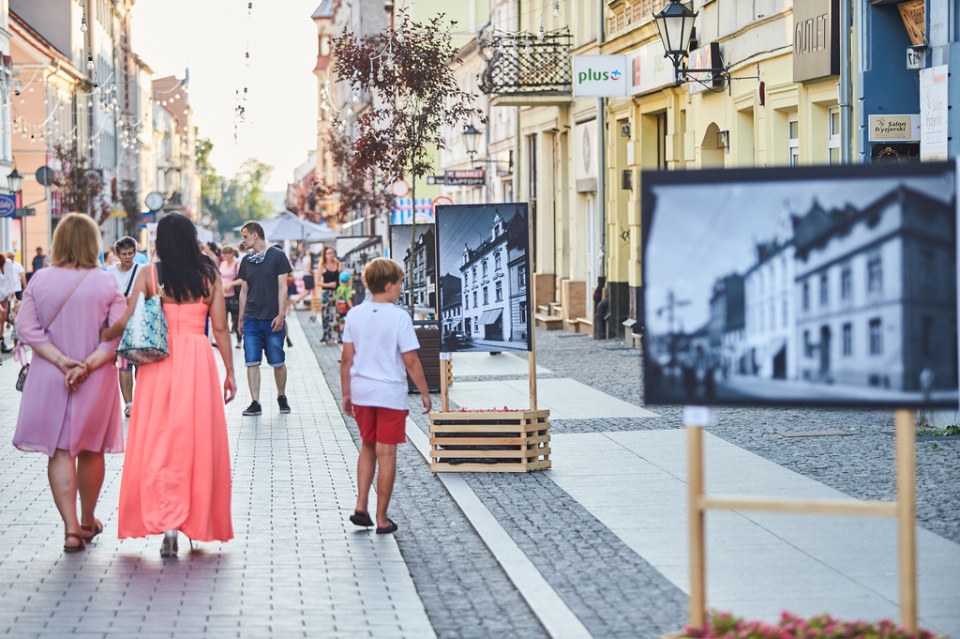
(904, 509)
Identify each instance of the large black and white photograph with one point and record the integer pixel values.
(416, 252)
(484, 278)
(825, 286)
(354, 252)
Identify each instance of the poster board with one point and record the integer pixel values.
(415, 249)
(801, 286)
(354, 252)
(484, 277)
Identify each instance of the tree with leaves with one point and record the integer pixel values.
(80, 186)
(409, 70)
(353, 189)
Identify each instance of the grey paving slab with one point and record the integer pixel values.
(757, 563)
(485, 364)
(565, 398)
(296, 567)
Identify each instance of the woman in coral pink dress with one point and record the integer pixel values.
(176, 473)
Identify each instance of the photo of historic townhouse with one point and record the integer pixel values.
(829, 286)
(419, 260)
(354, 253)
(484, 271)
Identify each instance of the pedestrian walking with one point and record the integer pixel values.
(176, 473)
(8, 287)
(70, 409)
(344, 299)
(263, 299)
(229, 277)
(19, 285)
(379, 351)
(330, 268)
(39, 260)
(125, 272)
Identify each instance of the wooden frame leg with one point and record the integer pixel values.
(698, 571)
(907, 516)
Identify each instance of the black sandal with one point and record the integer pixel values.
(361, 519)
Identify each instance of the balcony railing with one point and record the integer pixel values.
(524, 65)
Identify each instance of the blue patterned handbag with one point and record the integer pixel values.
(144, 339)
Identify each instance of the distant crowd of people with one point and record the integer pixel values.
(176, 474)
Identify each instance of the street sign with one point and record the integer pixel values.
(436, 179)
(118, 213)
(148, 216)
(471, 177)
(8, 205)
(24, 213)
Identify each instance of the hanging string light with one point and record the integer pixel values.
(556, 9)
(83, 21)
(541, 33)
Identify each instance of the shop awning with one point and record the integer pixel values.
(489, 317)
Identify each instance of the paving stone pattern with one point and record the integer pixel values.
(589, 567)
(464, 590)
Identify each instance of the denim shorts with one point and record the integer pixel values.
(259, 337)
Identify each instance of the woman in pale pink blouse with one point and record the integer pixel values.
(64, 308)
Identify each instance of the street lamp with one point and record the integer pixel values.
(675, 25)
(14, 181)
(471, 140)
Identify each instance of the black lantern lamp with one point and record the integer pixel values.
(14, 181)
(471, 140)
(675, 24)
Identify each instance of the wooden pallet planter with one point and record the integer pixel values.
(490, 442)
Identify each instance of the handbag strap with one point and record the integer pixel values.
(133, 276)
(66, 299)
(156, 287)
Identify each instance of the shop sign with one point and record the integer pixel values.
(599, 76)
(8, 204)
(649, 69)
(899, 128)
(933, 114)
(816, 39)
(470, 177)
(912, 14)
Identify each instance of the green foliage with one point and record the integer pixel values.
(80, 186)
(235, 200)
(723, 625)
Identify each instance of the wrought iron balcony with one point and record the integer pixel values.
(523, 67)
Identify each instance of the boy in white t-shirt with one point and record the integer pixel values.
(379, 350)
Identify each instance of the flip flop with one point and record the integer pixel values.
(386, 530)
(361, 519)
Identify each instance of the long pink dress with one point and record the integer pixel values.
(51, 417)
(176, 473)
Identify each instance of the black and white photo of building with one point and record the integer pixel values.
(419, 260)
(808, 286)
(484, 271)
(354, 253)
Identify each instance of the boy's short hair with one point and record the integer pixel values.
(381, 271)
(253, 227)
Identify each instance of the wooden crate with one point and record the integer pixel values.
(490, 442)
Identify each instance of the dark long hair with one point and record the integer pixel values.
(186, 273)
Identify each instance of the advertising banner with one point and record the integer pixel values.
(599, 76)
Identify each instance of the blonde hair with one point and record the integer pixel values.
(381, 271)
(229, 250)
(76, 242)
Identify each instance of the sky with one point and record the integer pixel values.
(702, 232)
(211, 38)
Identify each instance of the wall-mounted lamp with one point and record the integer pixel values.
(471, 140)
(675, 23)
(14, 181)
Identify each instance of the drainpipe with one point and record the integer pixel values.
(846, 83)
(602, 173)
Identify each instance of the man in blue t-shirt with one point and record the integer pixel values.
(263, 301)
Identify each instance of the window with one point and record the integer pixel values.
(523, 312)
(847, 339)
(497, 261)
(466, 279)
(522, 276)
(486, 295)
(874, 274)
(927, 273)
(846, 282)
(833, 135)
(499, 290)
(793, 140)
(806, 296)
(785, 311)
(474, 299)
(485, 263)
(474, 273)
(876, 337)
(824, 290)
(466, 303)
(807, 346)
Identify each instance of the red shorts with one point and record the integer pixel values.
(381, 425)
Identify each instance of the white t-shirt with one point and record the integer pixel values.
(17, 270)
(123, 278)
(380, 334)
